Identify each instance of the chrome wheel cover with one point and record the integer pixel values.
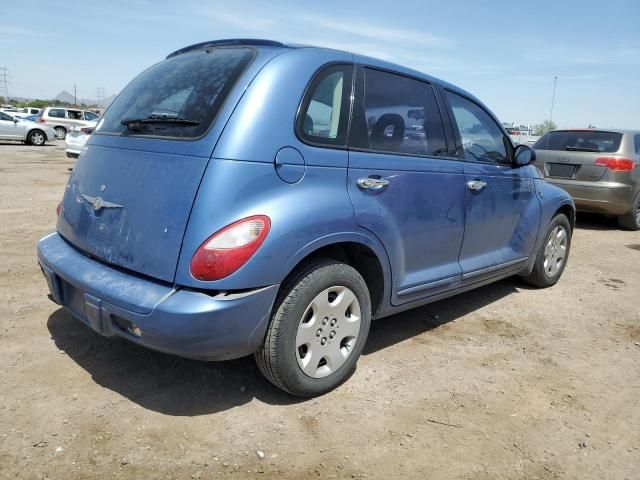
(328, 331)
(555, 251)
(37, 138)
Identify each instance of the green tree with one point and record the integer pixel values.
(542, 128)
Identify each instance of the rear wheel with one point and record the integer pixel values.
(553, 254)
(61, 133)
(318, 329)
(631, 219)
(37, 138)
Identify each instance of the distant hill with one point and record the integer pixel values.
(67, 97)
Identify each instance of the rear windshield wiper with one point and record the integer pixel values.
(156, 119)
(581, 149)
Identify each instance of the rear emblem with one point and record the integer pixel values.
(562, 159)
(97, 203)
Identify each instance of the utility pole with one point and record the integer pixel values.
(100, 95)
(5, 80)
(553, 98)
(75, 96)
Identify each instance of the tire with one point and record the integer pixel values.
(36, 137)
(548, 268)
(61, 133)
(304, 347)
(631, 219)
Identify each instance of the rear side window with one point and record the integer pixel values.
(56, 113)
(400, 115)
(580, 141)
(178, 97)
(324, 113)
(636, 141)
(482, 139)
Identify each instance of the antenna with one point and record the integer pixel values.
(5, 80)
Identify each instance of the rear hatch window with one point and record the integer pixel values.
(580, 141)
(179, 97)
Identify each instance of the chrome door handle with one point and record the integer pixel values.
(372, 183)
(476, 185)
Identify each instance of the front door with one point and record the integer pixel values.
(503, 212)
(403, 188)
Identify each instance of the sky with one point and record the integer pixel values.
(507, 53)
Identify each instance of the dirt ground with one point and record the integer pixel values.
(503, 382)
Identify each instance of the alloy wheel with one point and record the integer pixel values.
(555, 251)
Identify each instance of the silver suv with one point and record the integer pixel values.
(599, 168)
(62, 119)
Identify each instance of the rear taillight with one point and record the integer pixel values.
(228, 249)
(615, 163)
(86, 131)
(58, 208)
(40, 120)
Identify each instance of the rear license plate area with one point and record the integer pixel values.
(561, 170)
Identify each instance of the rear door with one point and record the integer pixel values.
(403, 187)
(502, 210)
(130, 194)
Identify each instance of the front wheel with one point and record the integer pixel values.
(553, 254)
(318, 329)
(37, 138)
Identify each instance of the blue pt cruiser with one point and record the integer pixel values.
(253, 197)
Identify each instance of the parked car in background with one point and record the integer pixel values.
(27, 111)
(31, 118)
(76, 139)
(197, 224)
(62, 119)
(15, 128)
(599, 168)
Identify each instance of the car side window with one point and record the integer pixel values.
(4, 116)
(324, 113)
(482, 139)
(56, 113)
(636, 140)
(398, 115)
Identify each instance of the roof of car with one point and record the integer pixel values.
(607, 130)
(375, 62)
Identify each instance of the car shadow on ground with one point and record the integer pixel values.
(592, 221)
(181, 387)
(49, 144)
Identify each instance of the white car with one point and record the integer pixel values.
(76, 138)
(15, 128)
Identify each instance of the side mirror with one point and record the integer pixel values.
(15, 120)
(523, 155)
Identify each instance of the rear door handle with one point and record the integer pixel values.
(372, 183)
(476, 185)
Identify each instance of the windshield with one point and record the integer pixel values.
(580, 140)
(191, 86)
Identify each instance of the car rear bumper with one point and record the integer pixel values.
(188, 323)
(602, 197)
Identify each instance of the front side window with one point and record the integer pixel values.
(324, 113)
(74, 114)
(178, 97)
(56, 113)
(482, 138)
(400, 115)
(4, 116)
(90, 116)
(636, 140)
